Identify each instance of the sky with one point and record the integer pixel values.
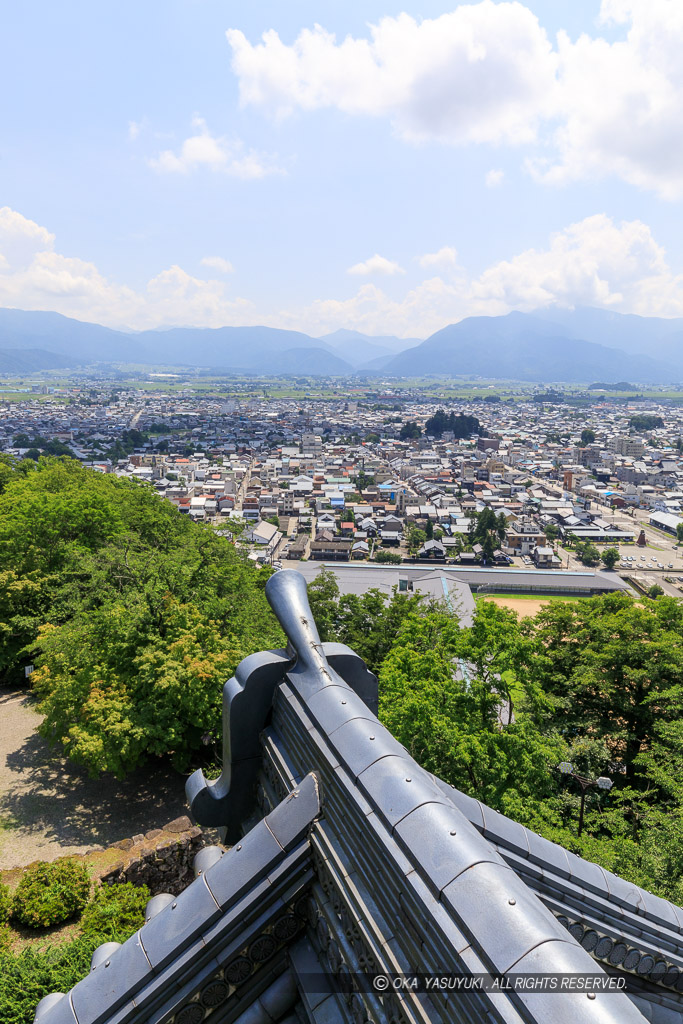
(389, 167)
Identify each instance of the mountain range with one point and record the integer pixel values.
(579, 345)
(573, 346)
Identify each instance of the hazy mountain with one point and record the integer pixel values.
(228, 347)
(314, 361)
(522, 346)
(553, 345)
(28, 360)
(360, 349)
(616, 330)
(78, 341)
(375, 365)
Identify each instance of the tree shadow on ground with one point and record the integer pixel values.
(62, 804)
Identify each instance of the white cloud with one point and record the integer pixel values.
(376, 265)
(445, 257)
(482, 73)
(217, 263)
(21, 239)
(494, 178)
(620, 104)
(134, 129)
(595, 261)
(488, 73)
(34, 276)
(214, 153)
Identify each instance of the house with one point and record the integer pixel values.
(360, 549)
(391, 537)
(432, 549)
(300, 548)
(369, 526)
(326, 521)
(336, 550)
(264, 534)
(543, 557)
(522, 536)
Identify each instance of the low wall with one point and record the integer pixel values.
(160, 859)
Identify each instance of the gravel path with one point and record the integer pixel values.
(49, 808)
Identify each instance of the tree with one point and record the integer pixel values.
(460, 425)
(410, 431)
(587, 436)
(501, 527)
(368, 623)
(645, 421)
(132, 614)
(387, 557)
(613, 669)
(363, 480)
(679, 533)
(610, 557)
(587, 552)
(429, 530)
(655, 591)
(551, 532)
(415, 537)
(450, 722)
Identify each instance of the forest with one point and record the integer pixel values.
(133, 618)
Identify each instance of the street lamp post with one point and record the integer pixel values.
(603, 782)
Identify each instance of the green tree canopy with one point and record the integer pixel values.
(133, 615)
(460, 425)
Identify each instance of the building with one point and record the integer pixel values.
(624, 444)
(348, 862)
(523, 535)
(666, 521)
(336, 549)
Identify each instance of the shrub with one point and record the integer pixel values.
(27, 976)
(392, 557)
(5, 939)
(48, 894)
(5, 903)
(115, 909)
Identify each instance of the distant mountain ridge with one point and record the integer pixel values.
(579, 345)
(244, 349)
(28, 360)
(531, 347)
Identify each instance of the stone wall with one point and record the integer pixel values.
(160, 859)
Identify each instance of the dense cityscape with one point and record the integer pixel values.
(389, 478)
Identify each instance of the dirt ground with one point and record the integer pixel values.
(522, 605)
(49, 808)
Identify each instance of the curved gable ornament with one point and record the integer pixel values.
(248, 697)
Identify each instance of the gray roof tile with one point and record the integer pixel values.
(441, 843)
(179, 923)
(385, 784)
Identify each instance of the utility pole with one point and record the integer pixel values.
(603, 782)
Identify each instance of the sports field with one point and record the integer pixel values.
(525, 605)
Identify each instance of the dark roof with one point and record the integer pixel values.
(357, 860)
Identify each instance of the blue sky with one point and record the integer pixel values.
(394, 169)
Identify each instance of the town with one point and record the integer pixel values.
(524, 479)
